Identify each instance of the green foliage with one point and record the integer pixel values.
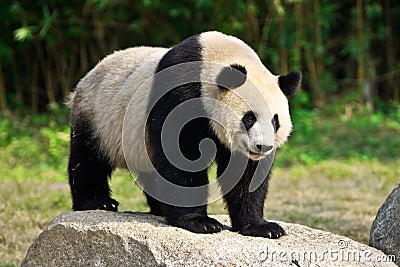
(23, 34)
(46, 46)
(34, 147)
(325, 134)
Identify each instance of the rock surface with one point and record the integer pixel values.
(385, 230)
(100, 238)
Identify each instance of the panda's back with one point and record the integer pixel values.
(107, 78)
(116, 79)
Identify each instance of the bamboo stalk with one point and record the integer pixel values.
(3, 100)
(298, 36)
(284, 60)
(360, 39)
(61, 74)
(390, 54)
(51, 94)
(265, 30)
(46, 72)
(34, 86)
(319, 63)
(253, 30)
(71, 71)
(318, 95)
(19, 95)
(83, 56)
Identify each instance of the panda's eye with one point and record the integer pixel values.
(250, 116)
(249, 119)
(275, 122)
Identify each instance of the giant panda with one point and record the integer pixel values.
(117, 122)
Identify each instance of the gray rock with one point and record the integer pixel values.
(100, 238)
(385, 230)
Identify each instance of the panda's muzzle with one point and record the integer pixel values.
(260, 150)
(264, 148)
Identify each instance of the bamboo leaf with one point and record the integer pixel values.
(23, 34)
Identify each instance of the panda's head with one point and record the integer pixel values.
(251, 115)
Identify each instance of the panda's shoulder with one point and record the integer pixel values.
(223, 48)
(132, 54)
(123, 62)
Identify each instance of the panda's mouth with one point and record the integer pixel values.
(251, 152)
(255, 153)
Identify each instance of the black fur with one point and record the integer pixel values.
(249, 119)
(88, 171)
(290, 83)
(275, 123)
(194, 219)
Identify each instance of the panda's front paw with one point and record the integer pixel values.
(267, 229)
(105, 203)
(197, 223)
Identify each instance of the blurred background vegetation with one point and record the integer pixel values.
(339, 165)
(343, 47)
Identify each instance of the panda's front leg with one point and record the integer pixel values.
(246, 211)
(245, 207)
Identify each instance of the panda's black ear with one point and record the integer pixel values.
(232, 76)
(290, 83)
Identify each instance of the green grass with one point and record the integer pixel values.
(334, 173)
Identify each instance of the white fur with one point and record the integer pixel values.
(105, 94)
(259, 93)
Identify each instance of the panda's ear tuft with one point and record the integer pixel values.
(232, 77)
(290, 83)
(240, 68)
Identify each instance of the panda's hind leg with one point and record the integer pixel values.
(88, 171)
(147, 181)
(194, 219)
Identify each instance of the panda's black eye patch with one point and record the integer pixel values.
(249, 119)
(275, 122)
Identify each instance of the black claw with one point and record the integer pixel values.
(267, 229)
(198, 224)
(96, 204)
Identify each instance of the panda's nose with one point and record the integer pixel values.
(263, 148)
